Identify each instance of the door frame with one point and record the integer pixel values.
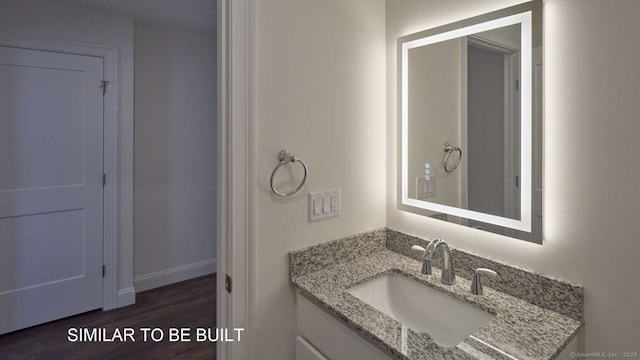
(109, 54)
(511, 110)
(237, 180)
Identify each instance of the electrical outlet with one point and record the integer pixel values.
(334, 202)
(324, 204)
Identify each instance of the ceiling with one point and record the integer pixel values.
(189, 14)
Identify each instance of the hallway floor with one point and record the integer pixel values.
(188, 304)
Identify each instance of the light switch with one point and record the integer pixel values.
(326, 204)
(317, 206)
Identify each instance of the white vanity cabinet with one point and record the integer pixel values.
(306, 351)
(324, 337)
(571, 349)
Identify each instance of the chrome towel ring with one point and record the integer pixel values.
(448, 149)
(284, 157)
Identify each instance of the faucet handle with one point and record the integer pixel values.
(476, 284)
(430, 246)
(426, 261)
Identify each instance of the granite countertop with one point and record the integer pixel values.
(519, 329)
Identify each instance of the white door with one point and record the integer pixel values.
(51, 166)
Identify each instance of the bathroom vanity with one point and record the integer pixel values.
(364, 297)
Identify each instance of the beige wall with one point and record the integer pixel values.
(320, 74)
(175, 155)
(591, 201)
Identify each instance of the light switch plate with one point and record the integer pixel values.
(329, 201)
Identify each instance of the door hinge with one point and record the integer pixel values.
(517, 84)
(517, 181)
(103, 86)
(227, 283)
(104, 270)
(104, 180)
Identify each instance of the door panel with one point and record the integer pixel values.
(50, 233)
(51, 165)
(30, 140)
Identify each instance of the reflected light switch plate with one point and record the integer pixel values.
(425, 188)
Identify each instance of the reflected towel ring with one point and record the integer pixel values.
(285, 157)
(448, 149)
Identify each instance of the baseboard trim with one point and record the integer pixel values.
(126, 297)
(170, 276)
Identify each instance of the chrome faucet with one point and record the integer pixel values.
(448, 274)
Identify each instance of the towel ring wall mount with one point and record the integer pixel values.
(285, 157)
(448, 149)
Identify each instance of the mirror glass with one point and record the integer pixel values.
(470, 129)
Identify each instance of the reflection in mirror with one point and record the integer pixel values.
(465, 97)
(486, 180)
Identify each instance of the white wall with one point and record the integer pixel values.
(434, 99)
(320, 93)
(591, 201)
(61, 20)
(175, 152)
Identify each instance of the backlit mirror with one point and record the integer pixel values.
(470, 122)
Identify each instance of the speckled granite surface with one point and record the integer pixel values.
(336, 252)
(519, 329)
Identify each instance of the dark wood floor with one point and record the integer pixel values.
(189, 304)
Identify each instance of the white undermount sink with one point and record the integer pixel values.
(424, 310)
